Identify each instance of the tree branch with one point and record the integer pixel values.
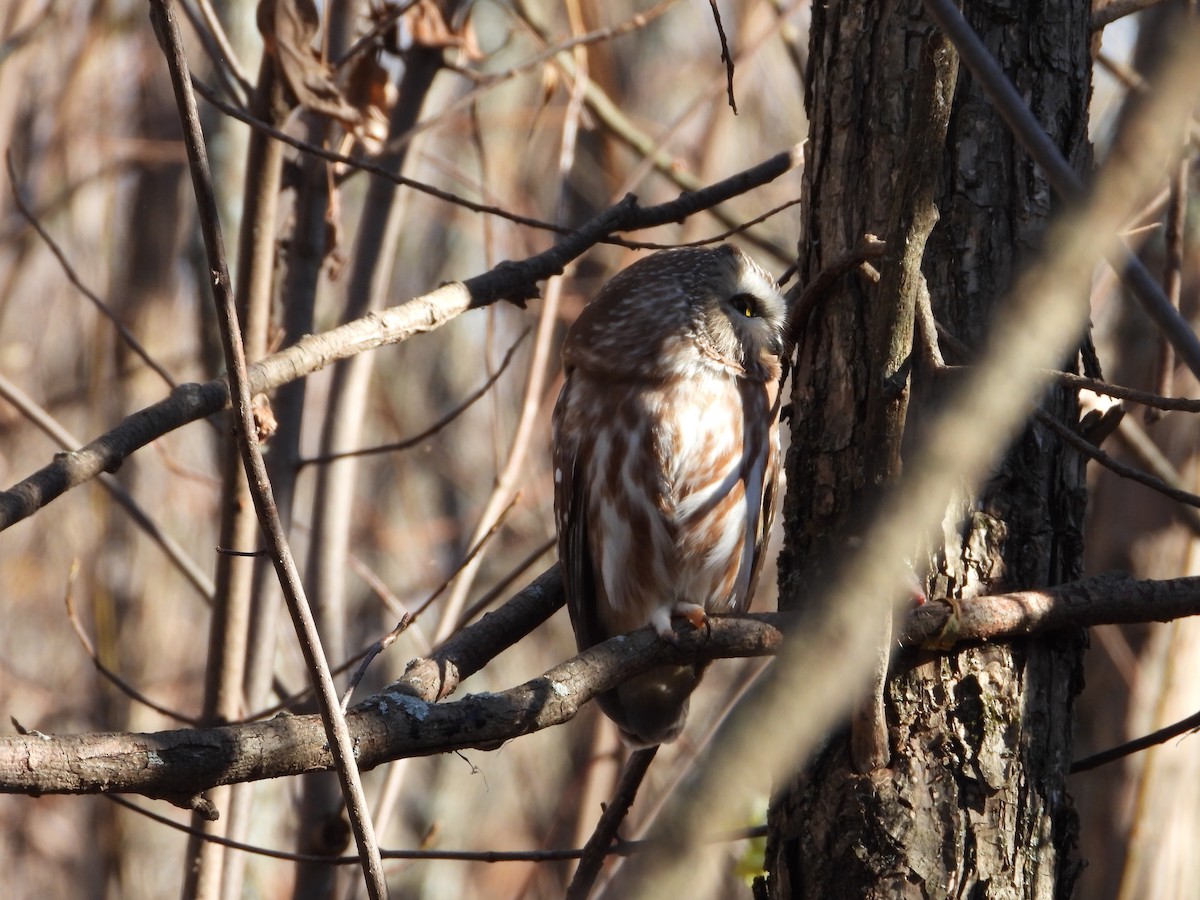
(514, 281)
(390, 725)
(400, 721)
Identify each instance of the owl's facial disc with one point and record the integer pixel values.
(743, 317)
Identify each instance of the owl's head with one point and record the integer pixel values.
(681, 311)
(739, 313)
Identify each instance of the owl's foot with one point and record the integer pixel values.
(661, 619)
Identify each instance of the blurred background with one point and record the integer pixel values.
(551, 111)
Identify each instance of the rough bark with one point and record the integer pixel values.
(973, 802)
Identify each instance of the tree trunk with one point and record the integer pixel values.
(973, 802)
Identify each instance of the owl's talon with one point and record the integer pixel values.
(660, 619)
(694, 613)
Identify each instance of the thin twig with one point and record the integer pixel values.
(682, 769)
(501, 587)
(1118, 9)
(473, 646)
(726, 56)
(126, 335)
(116, 680)
(433, 429)
(711, 239)
(341, 746)
(870, 247)
(391, 16)
(485, 856)
(1172, 276)
(410, 618)
(179, 557)
(433, 677)
(1113, 465)
(1120, 392)
(537, 61)
(1137, 745)
(505, 491)
(219, 48)
(371, 168)
(1148, 455)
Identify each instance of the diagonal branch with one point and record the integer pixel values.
(600, 844)
(514, 281)
(332, 720)
(1066, 183)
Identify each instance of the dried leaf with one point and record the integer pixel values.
(289, 28)
(429, 28)
(370, 90)
(264, 417)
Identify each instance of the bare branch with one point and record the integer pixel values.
(624, 848)
(179, 557)
(126, 335)
(1120, 392)
(1116, 466)
(1100, 600)
(116, 680)
(1104, 15)
(473, 646)
(399, 723)
(514, 281)
(422, 436)
(726, 56)
(390, 725)
(1137, 745)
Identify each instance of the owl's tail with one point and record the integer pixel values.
(652, 708)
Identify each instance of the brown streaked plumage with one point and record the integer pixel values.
(666, 456)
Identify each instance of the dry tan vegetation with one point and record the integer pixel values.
(89, 122)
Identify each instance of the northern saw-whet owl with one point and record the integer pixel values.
(666, 458)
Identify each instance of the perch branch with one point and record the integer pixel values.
(400, 721)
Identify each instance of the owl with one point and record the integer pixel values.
(666, 456)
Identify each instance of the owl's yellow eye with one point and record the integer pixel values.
(746, 304)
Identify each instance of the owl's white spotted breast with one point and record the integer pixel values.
(662, 486)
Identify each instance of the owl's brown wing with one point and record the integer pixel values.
(574, 549)
(760, 477)
(766, 518)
